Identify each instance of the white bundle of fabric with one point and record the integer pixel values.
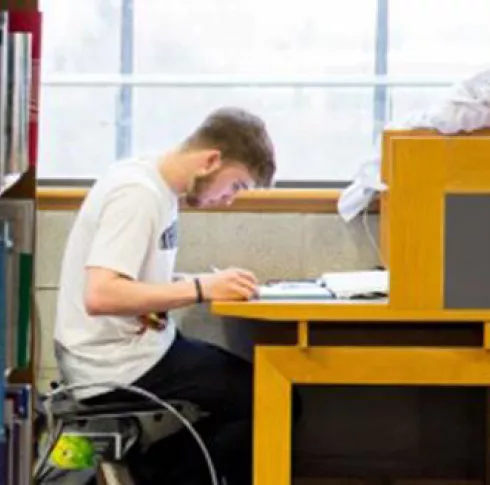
(465, 108)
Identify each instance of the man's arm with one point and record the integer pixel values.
(110, 293)
(127, 224)
(187, 276)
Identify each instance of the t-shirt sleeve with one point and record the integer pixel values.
(125, 230)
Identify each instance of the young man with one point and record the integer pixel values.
(117, 275)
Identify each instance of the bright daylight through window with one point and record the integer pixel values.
(124, 77)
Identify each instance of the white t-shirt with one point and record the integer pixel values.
(127, 223)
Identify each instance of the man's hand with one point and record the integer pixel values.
(151, 321)
(229, 284)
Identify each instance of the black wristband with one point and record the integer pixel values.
(199, 295)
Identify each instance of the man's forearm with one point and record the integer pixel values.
(122, 296)
(187, 276)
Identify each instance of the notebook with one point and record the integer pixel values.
(352, 284)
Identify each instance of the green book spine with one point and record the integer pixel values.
(24, 312)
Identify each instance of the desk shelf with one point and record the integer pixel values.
(279, 368)
(343, 311)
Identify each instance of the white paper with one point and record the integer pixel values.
(293, 291)
(346, 284)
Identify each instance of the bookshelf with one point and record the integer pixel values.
(20, 42)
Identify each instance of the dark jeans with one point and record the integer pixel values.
(218, 382)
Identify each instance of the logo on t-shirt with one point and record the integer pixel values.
(168, 240)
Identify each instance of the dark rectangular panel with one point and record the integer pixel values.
(467, 251)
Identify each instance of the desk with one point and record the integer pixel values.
(277, 368)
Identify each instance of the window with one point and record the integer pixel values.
(123, 77)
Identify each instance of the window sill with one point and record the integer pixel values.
(311, 201)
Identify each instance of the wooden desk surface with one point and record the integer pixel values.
(342, 310)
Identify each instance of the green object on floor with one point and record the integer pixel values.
(73, 452)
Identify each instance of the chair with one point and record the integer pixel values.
(93, 441)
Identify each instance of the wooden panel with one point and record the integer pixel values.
(382, 365)
(346, 311)
(386, 177)
(420, 168)
(272, 423)
(416, 233)
(468, 164)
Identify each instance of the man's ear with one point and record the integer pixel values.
(211, 162)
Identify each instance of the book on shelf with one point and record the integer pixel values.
(3, 95)
(17, 216)
(17, 446)
(19, 63)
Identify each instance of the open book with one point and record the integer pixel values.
(294, 290)
(337, 285)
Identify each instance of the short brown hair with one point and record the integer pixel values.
(241, 137)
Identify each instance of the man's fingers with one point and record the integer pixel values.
(247, 289)
(247, 275)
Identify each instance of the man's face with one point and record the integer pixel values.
(219, 187)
